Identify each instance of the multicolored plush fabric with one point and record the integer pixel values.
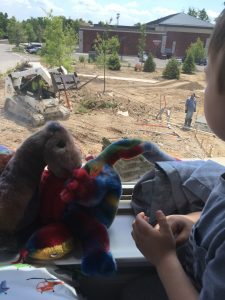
(86, 202)
(93, 195)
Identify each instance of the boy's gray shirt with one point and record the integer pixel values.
(176, 187)
(207, 243)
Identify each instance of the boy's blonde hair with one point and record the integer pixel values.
(217, 43)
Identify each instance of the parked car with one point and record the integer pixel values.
(179, 59)
(202, 62)
(33, 47)
(169, 53)
(34, 50)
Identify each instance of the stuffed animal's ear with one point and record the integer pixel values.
(60, 152)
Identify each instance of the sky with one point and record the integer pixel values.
(130, 12)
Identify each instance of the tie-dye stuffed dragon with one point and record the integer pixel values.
(82, 204)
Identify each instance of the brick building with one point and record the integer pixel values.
(170, 35)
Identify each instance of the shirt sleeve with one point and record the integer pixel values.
(213, 280)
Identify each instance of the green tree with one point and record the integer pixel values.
(3, 24)
(31, 36)
(1, 33)
(36, 28)
(114, 62)
(59, 44)
(106, 47)
(192, 12)
(197, 50)
(172, 70)
(142, 41)
(189, 64)
(149, 65)
(200, 14)
(16, 32)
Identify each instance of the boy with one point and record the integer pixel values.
(203, 275)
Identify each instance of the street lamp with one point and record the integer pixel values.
(117, 17)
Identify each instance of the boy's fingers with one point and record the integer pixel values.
(141, 225)
(141, 215)
(161, 218)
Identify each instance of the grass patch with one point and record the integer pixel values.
(18, 49)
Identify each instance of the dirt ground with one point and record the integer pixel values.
(128, 109)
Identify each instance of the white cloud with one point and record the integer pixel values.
(130, 13)
(23, 9)
(47, 5)
(9, 3)
(160, 12)
(132, 4)
(212, 14)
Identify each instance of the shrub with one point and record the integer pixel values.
(172, 70)
(90, 60)
(189, 65)
(81, 59)
(198, 51)
(114, 62)
(149, 65)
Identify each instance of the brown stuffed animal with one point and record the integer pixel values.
(53, 146)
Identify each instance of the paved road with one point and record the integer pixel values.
(120, 78)
(9, 59)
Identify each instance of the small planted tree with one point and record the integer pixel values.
(149, 65)
(59, 43)
(172, 70)
(106, 46)
(189, 64)
(107, 49)
(142, 41)
(197, 50)
(114, 62)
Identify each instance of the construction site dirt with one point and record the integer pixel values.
(134, 104)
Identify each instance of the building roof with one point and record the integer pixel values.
(117, 28)
(181, 20)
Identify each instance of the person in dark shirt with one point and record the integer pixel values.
(190, 108)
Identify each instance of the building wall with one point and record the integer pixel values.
(128, 41)
(178, 41)
(183, 41)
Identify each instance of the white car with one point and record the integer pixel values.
(179, 59)
(34, 49)
(144, 57)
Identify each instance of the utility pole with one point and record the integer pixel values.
(117, 17)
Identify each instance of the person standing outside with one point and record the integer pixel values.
(190, 108)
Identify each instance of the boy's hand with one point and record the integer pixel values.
(181, 227)
(154, 244)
